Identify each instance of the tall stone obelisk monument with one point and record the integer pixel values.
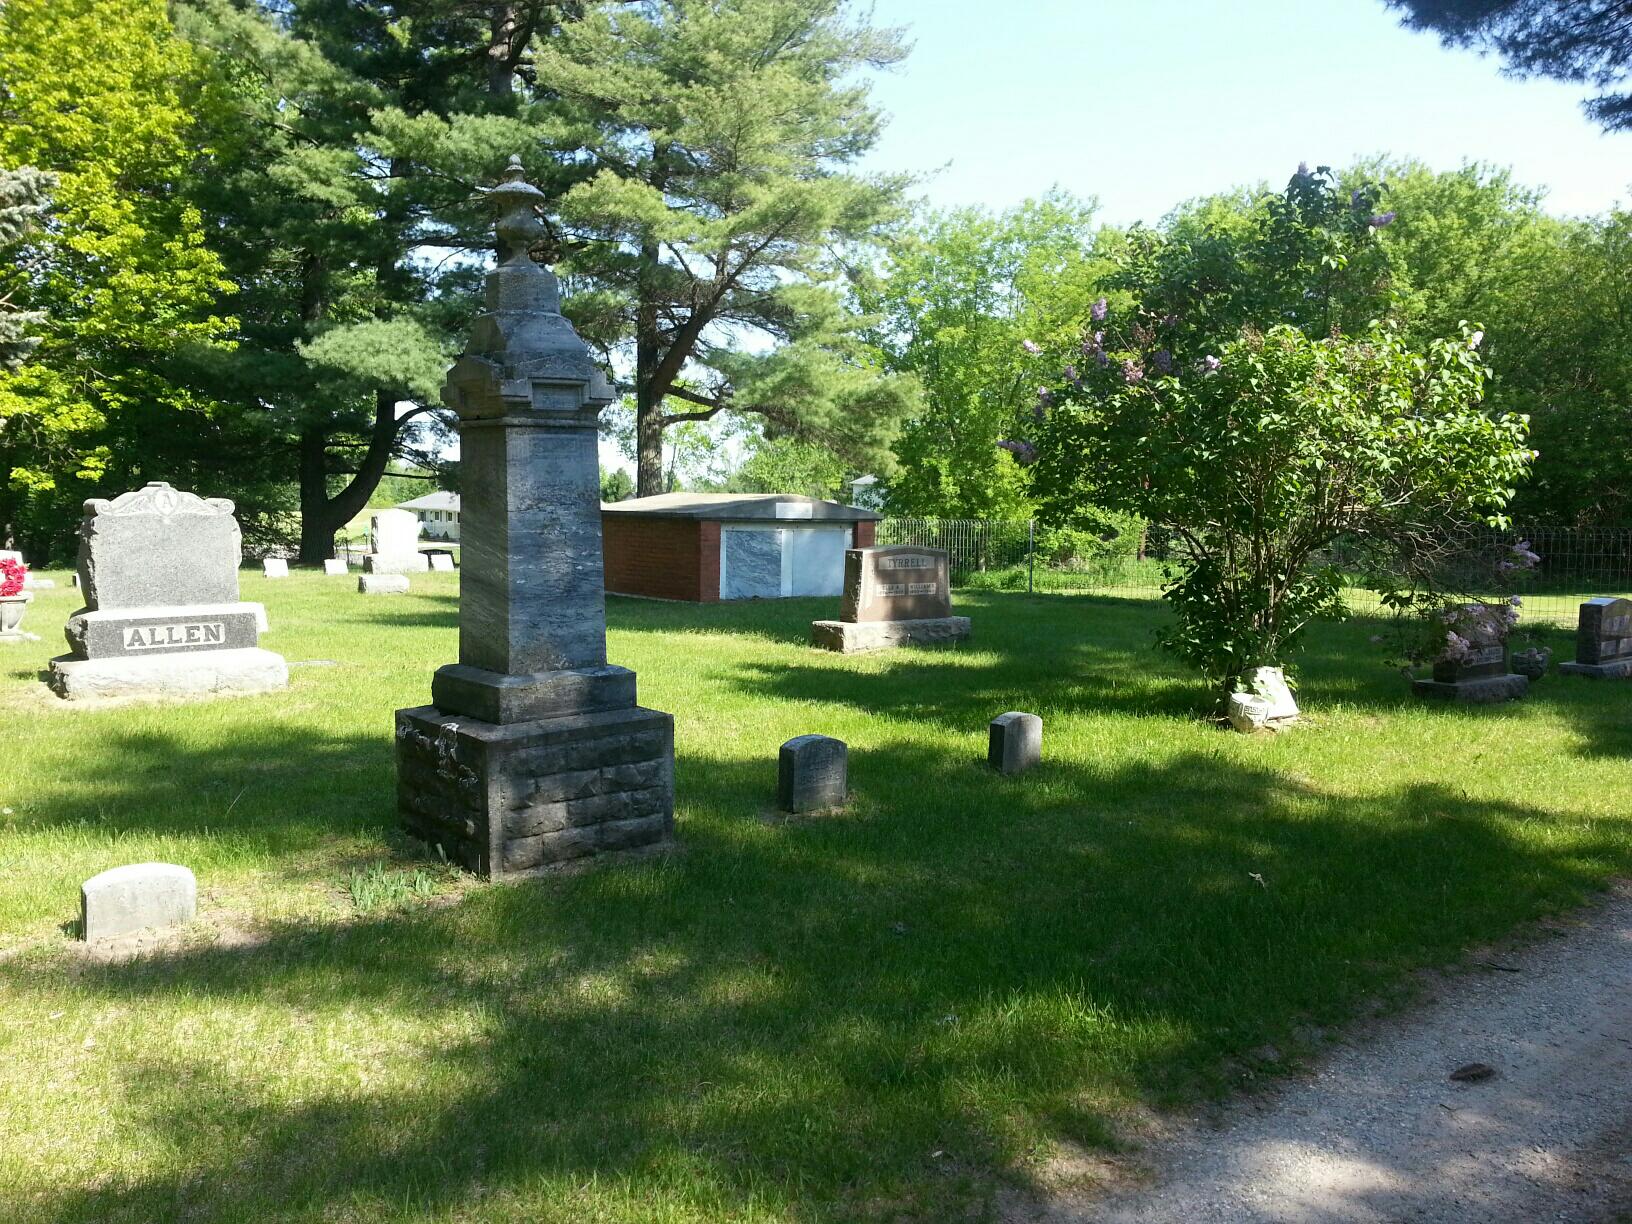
(533, 751)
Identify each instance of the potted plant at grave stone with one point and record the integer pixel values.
(13, 599)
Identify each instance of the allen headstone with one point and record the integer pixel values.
(159, 572)
(393, 544)
(892, 596)
(533, 751)
(1603, 640)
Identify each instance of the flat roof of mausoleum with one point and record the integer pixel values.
(741, 507)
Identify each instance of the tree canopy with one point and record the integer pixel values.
(1588, 41)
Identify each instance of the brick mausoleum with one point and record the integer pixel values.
(705, 547)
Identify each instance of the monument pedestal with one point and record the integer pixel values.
(217, 672)
(1618, 670)
(851, 637)
(521, 798)
(1477, 690)
(396, 563)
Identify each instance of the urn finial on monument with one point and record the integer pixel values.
(533, 751)
(523, 355)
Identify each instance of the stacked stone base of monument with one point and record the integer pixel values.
(162, 651)
(519, 798)
(849, 637)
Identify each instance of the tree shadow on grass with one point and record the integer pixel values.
(854, 1017)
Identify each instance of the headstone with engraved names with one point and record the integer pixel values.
(159, 571)
(893, 596)
(393, 544)
(1603, 640)
(1473, 668)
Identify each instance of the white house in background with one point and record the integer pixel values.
(866, 492)
(438, 514)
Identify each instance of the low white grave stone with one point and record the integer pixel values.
(139, 897)
(275, 567)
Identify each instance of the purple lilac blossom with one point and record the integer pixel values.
(1164, 361)
(1170, 320)
(1211, 364)
(1132, 372)
(1073, 375)
(1099, 310)
(1031, 346)
(1024, 452)
(1457, 649)
(1382, 219)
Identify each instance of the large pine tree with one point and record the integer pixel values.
(723, 205)
(1589, 41)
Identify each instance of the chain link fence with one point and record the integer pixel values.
(1576, 563)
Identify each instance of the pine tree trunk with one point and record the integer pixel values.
(317, 526)
(648, 398)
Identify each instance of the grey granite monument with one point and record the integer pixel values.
(1603, 640)
(533, 751)
(162, 617)
(892, 596)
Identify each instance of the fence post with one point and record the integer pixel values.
(1031, 553)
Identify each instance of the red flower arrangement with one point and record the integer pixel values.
(12, 574)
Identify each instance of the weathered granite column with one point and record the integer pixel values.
(533, 751)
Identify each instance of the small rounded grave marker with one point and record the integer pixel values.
(1014, 742)
(383, 584)
(812, 774)
(135, 898)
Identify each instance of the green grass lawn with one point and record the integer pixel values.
(884, 1014)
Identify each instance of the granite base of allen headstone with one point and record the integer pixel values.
(1603, 640)
(393, 544)
(893, 596)
(1482, 676)
(534, 752)
(159, 572)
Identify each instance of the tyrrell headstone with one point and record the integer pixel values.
(892, 596)
(159, 572)
(534, 751)
(393, 544)
(1603, 640)
(1477, 670)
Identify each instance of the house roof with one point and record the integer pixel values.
(740, 507)
(440, 500)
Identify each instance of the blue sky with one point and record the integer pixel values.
(1144, 103)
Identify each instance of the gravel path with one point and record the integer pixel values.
(1379, 1132)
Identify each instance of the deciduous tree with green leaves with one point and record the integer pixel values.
(101, 94)
(962, 304)
(1263, 452)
